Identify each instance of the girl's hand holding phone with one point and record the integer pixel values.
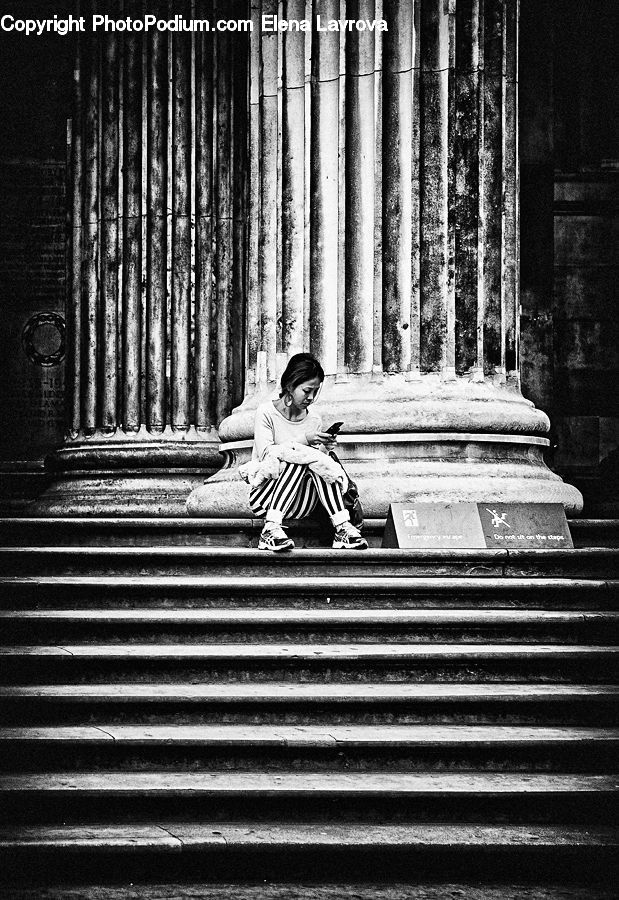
(323, 438)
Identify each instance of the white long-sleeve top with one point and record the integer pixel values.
(271, 427)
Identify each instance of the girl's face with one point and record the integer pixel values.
(305, 393)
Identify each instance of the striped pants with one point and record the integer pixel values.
(295, 494)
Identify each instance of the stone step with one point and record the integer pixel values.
(358, 662)
(292, 592)
(220, 634)
(327, 618)
(273, 692)
(253, 846)
(110, 784)
(240, 532)
(308, 625)
(291, 703)
(320, 691)
(417, 885)
(330, 747)
(588, 562)
(152, 532)
(408, 736)
(178, 836)
(65, 796)
(313, 652)
(594, 532)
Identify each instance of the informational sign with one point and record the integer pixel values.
(423, 526)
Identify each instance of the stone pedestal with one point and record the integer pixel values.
(384, 238)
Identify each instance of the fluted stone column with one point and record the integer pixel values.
(384, 239)
(159, 155)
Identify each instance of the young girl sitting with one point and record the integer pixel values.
(297, 488)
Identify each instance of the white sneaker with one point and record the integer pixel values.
(347, 537)
(273, 537)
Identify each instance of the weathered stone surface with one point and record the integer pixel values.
(270, 891)
(397, 223)
(360, 196)
(156, 239)
(293, 185)
(128, 475)
(324, 221)
(465, 211)
(392, 403)
(115, 494)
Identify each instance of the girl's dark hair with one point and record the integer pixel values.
(301, 367)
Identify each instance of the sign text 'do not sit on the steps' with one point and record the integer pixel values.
(494, 526)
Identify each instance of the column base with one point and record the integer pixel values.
(138, 474)
(389, 468)
(408, 437)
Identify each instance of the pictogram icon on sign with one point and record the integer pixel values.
(498, 519)
(410, 518)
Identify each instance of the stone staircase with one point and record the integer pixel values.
(174, 711)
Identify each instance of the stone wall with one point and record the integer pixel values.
(32, 271)
(586, 350)
(35, 104)
(586, 353)
(570, 201)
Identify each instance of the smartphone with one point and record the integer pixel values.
(333, 429)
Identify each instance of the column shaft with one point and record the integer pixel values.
(437, 341)
(74, 317)
(109, 234)
(132, 232)
(254, 244)
(181, 230)
(90, 240)
(237, 328)
(293, 182)
(156, 241)
(397, 187)
(417, 180)
(224, 241)
(204, 229)
(492, 188)
(268, 243)
(377, 325)
(511, 215)
(324, 219)
(466, 155)
(360, 193)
